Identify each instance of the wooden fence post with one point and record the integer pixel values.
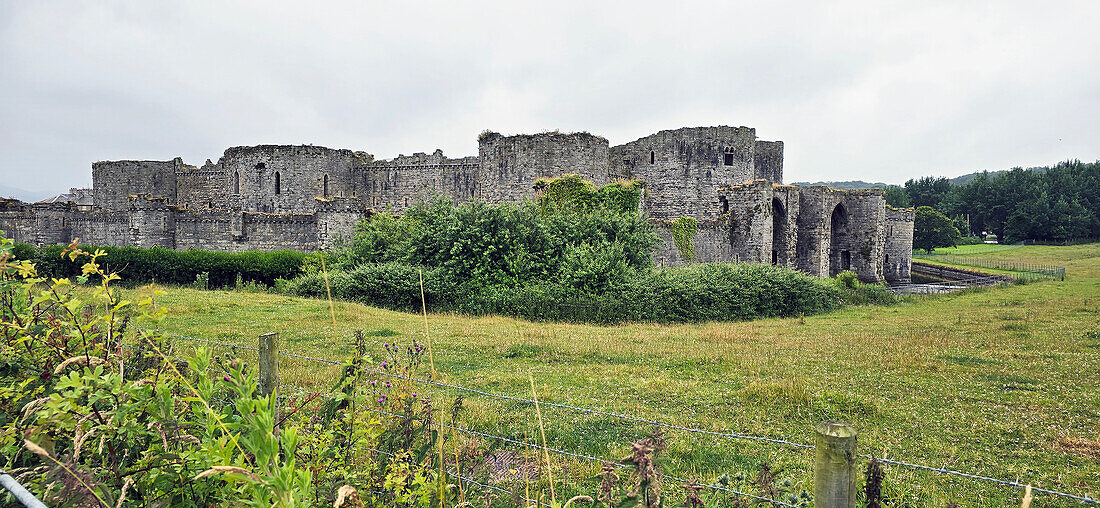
(834, 466)
(269, 363)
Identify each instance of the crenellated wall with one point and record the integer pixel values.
(305, 197)
(683, 168)
(509, 165)
(285, 179)
(898, 247)
(406, 180)
(768, 161)
(113, 182)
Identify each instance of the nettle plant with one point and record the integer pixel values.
(93, 412)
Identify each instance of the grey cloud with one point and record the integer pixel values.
(869, 90)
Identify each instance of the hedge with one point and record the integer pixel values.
(166, 266)
(703, 292)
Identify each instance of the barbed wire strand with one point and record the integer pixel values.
(726, 434)
(731, 435)
(941, 470)
(553, 450)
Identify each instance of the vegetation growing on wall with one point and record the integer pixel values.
(683, 234)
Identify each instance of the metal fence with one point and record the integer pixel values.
(1021, 268)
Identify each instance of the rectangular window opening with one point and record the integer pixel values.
(729, 159)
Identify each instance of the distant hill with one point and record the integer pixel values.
(965, 179)
(23, 194)
(860, 184)
(851, 184)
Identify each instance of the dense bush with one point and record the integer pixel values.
(481, 245)
(703, 292)
(166, 266)
(576, 254)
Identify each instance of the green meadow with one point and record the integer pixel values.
(1001, 382)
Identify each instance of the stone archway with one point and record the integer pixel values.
(780, 241)
(840, 254)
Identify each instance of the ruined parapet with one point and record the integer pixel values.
(897, 259)
(286, 178)
(17, 220)
(202, 188)
(510, 165)
(841, 230)
(711, 244)
(113, 182)
(683, 167)
(51, 223)
(768, 161)
(336, 219)
(747, 210)
(152, 222)
(404, 181)
(784, 215)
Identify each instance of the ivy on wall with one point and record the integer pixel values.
(573, 192)
(683, 233)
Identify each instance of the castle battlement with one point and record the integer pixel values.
(303, 197)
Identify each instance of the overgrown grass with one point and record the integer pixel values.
(1003, 382)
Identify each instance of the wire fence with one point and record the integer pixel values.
(1021, 269)
(723, 434)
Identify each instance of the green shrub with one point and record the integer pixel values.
(847, 279)
(166, 266)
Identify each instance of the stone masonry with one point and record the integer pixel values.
(306, 197)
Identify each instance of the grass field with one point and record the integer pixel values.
(1002, 382)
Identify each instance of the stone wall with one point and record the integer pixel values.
(113, 182)
(748, 211)
(510, 165)
(18, 220)
(866, 232)
(683, 168)
(768, 161)
(898, 249)
(285, 179)
(711, 242)
(205, 188)
(407, 180)
(784, 214)
(307, 197)
(336, 219)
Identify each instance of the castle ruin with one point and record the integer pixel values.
(303, 198)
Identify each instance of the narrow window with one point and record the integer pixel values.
(324, 187)
(278, 183)
(406, 202)
(236, 183)
(729, 159)
(775, 257)
(845, 260)
(886, 259)
(725, 204)
(651, 157)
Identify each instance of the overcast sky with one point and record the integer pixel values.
(877, 91)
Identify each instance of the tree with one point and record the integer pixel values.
(962, 225)
(933, 229)
(896, 196)
(928, 191)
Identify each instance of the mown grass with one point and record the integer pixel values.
(1002, 382)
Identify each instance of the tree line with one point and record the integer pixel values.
(1056, 203)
